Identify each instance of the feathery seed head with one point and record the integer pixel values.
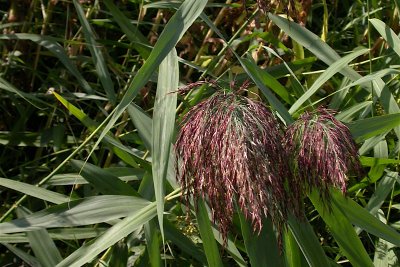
(229, 152)
(321, 152)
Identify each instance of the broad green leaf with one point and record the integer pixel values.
(151, 233)
(34, 191)
(96, 50)
(86, 211)
(325, 76)
(343, 232)
(366, 128)
(172, 33)
(54, 47)
(206, 233)
(308, 242)
(292, 254)
(163, 127)
(118, 231)
(363, 219)
(103, 181)
(262, 249)
(41, 243)
(141, 44)
(388, 34)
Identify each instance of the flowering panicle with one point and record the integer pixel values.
(229, 152)
(321, 151)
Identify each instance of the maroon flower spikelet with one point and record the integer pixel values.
(229, 152)
(321, 151)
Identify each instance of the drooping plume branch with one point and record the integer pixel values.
(229, 152)
(321, 152)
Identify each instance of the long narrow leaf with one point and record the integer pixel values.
(103, 181)
(153, 243)
(366, 128)
(30, 260)
(388, 34)
(34, 191)
(326, 75)
(308, 242)
(183, 242)
(86, 211)
(342, 231)
(120, 230)
(142, 45)
(120, 150)
(163, 127)
(97, 54)
(172, 33)
(210, 246)
(41, 243)
(365, 220)
(257, 76)
(262, 249)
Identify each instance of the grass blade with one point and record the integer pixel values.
(41, 243)
(366, 128)
(28, 97)
(142, 45)
(325, 76)
(120, 150)
(85, 211)
(308, 242)
(210, 246)
(324, 52)
(262, 249)
(28, 259)
(143, 124)
(172, 33)
(53, 46)
(163, 128)
(183, 242)
(103, 181)
(34, 191)
(151, 233)
(342, 231)
(388, 34)
(365, 220)
(120, 230)
(257, 76)
(97, 54)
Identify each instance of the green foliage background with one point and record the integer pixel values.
(89, 114)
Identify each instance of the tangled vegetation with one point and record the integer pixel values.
(125, 140)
